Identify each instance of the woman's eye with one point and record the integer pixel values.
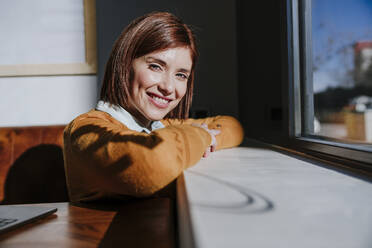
(182, 76)
(154, 67)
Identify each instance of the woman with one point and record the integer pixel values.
(138, 139)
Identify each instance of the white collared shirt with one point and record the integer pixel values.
(126, 118)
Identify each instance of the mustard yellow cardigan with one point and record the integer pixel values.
(104, 159)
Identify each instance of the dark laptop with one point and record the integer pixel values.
(12, 216)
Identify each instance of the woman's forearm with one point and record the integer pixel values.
(132, 163)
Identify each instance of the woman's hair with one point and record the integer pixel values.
(146, 34)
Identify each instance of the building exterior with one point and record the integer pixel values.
(363, 63)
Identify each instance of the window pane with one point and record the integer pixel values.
(342, 69)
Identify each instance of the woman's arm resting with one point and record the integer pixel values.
(231, 134)
(128, 162)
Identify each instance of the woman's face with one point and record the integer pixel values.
(159, 83)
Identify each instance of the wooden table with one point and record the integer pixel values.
(138, 223)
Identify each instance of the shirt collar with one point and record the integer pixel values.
(125, 117)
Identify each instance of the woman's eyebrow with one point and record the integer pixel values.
(152, 59)
(184, 70)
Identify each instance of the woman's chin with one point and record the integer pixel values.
(156, 114)
(156, 117)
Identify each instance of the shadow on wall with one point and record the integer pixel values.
(37, 176)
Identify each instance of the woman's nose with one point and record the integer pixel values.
(166, 87)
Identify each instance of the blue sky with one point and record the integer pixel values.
(336, 26)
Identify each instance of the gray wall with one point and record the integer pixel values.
(261, 91)
(216, 75)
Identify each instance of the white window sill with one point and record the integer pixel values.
(256, 197)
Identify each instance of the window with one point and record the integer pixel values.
(330, 78)
(341, 37)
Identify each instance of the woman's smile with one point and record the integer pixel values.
(159, 101)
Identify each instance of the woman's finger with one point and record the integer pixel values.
(215, 131)
(206, 153)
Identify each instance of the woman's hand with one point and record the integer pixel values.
(213, 133)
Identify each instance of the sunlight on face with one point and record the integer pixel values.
(159, 83)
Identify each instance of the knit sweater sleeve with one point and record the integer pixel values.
(231, 134)
(101, 156)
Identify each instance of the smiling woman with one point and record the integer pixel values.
(139, 138)
(159, 83)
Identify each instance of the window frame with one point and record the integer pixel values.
(297, 71)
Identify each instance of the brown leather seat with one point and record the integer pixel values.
(31, 165)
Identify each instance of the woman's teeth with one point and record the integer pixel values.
(160, 100)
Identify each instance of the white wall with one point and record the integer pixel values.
(54, 34)
(29, 101)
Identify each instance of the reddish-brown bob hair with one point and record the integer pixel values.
(146, 34)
